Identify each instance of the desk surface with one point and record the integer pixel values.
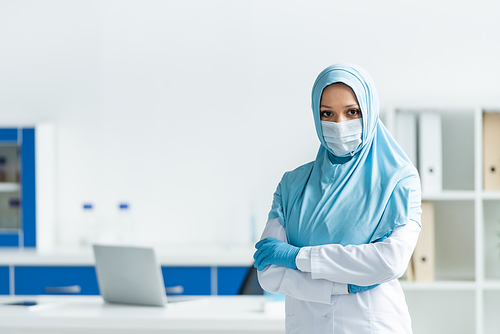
(82, 314)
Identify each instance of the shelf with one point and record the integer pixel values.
(439, 285)
(7, 187)
(453, 195)
(491, 285)
(450, 195)
(490, 195)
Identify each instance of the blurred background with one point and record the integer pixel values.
(191, 111)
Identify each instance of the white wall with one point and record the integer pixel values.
(192, 110)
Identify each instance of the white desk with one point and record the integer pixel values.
(89, 314)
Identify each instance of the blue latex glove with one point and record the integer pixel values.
(356, 288)
(277, 252)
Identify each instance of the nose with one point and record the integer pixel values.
(340, 118)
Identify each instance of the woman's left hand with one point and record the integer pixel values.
(277, 252)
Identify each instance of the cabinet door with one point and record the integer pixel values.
(65, 280)
(17, 181)
(4, 280)
(230, 279)
(193, 280)
(9, 238)
(28, 187)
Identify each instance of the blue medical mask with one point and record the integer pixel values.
(343, 137)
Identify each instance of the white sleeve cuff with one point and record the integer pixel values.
(339, 289)
(303, 260)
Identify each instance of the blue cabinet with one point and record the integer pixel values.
(17, 187)
(230, 279)
(67, 280)
(82, 280)
(4, 281)
(194, 280)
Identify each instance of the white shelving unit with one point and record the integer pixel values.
(465, 297)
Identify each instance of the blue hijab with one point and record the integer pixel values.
(354, 199)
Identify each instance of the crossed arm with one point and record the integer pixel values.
(323, 271)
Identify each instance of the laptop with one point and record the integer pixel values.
(129, 275)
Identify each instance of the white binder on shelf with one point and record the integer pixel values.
(430, 163)
(409, 274)
(424, 255)
(406, 134)
(491, 151)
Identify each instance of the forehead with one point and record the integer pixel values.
(338, 91)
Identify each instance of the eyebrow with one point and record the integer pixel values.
(349, 106)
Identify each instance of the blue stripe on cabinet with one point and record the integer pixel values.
(230, 279)
(30, 280)
(194, 280)
(8, 135)
(9, 239)
(28, 203)
(4, 280)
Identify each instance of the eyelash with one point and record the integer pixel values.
(349, 112)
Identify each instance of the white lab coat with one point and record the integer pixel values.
(317, 300)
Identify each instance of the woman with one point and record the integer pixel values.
(342, 228)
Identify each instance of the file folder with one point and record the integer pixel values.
(406, 134)
(430, 152)
(410, 273)
(424, 254)
(491, 151)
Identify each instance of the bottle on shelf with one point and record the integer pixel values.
(90, 228)
(17, 168)
(3, 169)
(125, 225)
(10, 218)
(14, 212)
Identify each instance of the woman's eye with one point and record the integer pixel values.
(326, 113)
(353, 112)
